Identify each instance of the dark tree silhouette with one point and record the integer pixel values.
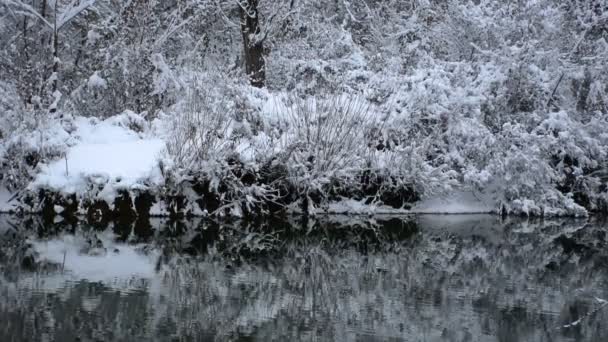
(252, 42)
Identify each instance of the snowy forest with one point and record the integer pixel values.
(288, 170)
(260, 107)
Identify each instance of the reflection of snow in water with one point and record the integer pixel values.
(114, 264)
(460, 277)
(90, 304)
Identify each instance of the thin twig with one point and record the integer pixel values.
(554, 90)
(603, 303)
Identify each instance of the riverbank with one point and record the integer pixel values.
(130, 166)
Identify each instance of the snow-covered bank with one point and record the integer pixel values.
(125, 166)
(405, 100)
(104, 153)
(122, 166)
(455, 203)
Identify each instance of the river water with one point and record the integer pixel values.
(422, 278)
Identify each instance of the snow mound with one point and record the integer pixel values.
(107, 151)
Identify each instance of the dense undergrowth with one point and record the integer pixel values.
(382, 103)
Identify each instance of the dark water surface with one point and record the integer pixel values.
(425, 278)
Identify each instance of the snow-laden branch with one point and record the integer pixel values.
(350, 13)
(171, 29)
(270, 24)
(603, 303)
(62, 19)
(26, 9)
(224, 16)
(10, 10)
(244, 4)
(73, 10)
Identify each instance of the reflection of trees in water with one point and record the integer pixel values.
(495, 283)
(446, 281)
(88, 311)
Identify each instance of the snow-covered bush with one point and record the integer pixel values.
(404, 167)
(216, 143)
(9, 107)
(507, 99)
(28, 136)
(550, 169)
(327, 135)
(200, 132)
(35, 139)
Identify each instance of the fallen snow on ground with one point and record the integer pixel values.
(456, 203)
(354, 207)
(461, 202)
(106, 152)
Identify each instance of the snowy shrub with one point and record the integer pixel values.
(14, 120)
(333, 148)
(129, 80)
(9, 107)
(552, 169)
(131, 121)
(200, 131)
(16, 173)
(33, 138)
(522, 95)
(504, 98)
(405, 167)
(327, 135)
(215, 144)
(577, 152)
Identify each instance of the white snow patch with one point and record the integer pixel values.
(95, 81)
(103, 151)
(126, 163)
(349, 206)
(460, 202)
(93, 131)
(354, 207)
(7, 201)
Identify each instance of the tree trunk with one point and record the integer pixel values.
(55, 59)
(253, 46)
(55, 74)
(25, 46)
(43, 9)
(27, 88)
(43, 15)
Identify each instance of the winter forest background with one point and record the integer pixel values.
(262, 106)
